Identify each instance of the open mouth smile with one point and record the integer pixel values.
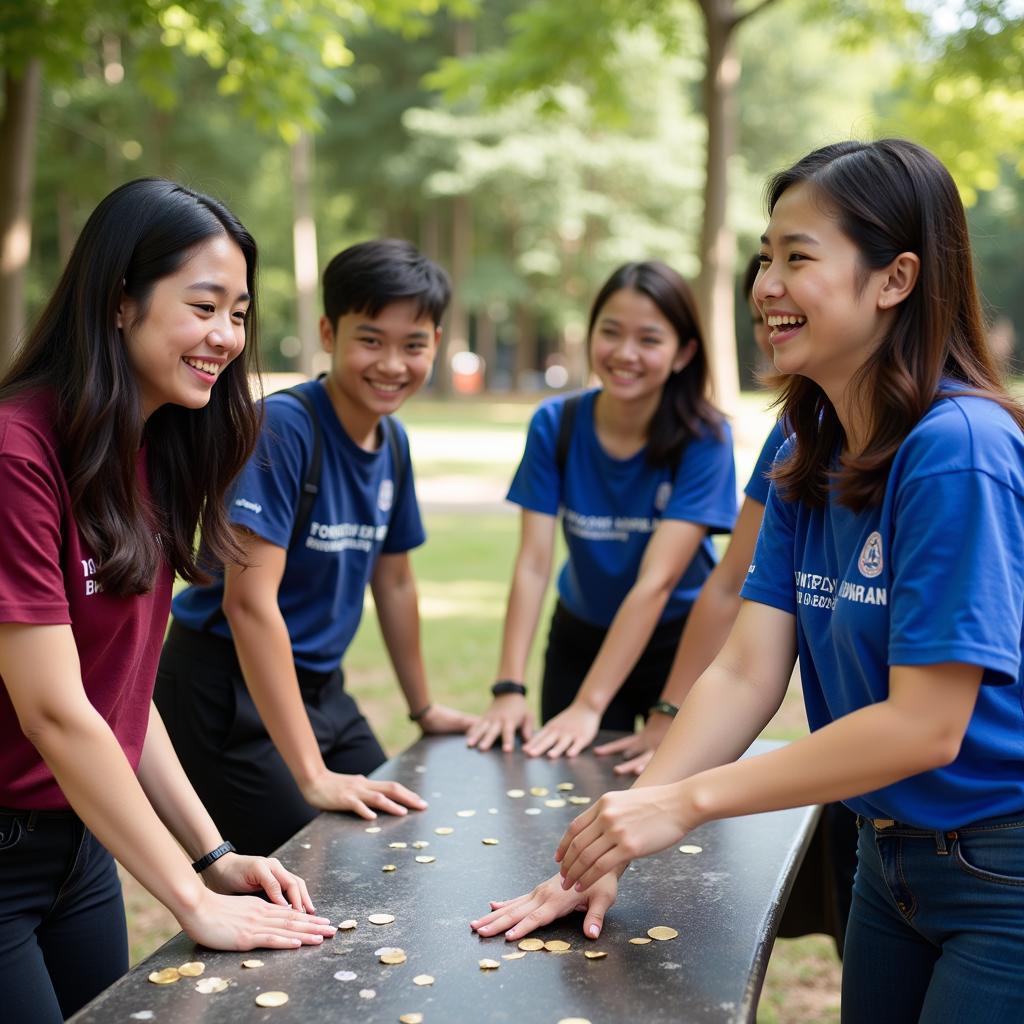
(204, 367)
(782, 326)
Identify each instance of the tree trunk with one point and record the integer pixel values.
(717, 240)
(17, 176)
(487, 344)
(307, 273)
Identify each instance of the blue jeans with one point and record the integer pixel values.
(936, 931)
(62, 927)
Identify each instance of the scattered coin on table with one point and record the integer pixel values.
(690, 848)
(464, 814)
(389, 867)
(444, 830)
(423, 979)
(347, 926)
(489, 842)
(373, 829)
(168, 976)
(367, 993)
(489, 965)
(252, 964)
(640, 941)
(565, 787)
(272, 999)
(531, 945)
(411, 1018)
(420, 844)
(192, 969)
(395, 957)
(579, 800)
(344, 975)
(381, 918)
(212, 985)
(516, 794)
(594, 954)
(556, 802)
(539, 791)
(397, 846)
(532, 810)
(662, 933)
(557, 945)
(425, 859)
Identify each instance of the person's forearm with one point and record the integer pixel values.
(171, 794)
(93, 774)
(399, 618)
(265, 654)
(525, 601)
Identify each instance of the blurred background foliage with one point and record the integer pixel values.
(529, 145)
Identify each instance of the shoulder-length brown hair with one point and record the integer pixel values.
(889, 197)
(140, 233)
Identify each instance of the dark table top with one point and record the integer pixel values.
(725, 903)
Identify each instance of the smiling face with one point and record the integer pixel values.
(193, 325)
(377, 362)
(634, 349)
(826, 312)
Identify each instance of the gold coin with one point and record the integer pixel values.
(367, 993)
(464, 814)
(513, 956)
(532, 810)
(444, 830)
(192, 969)
(579, 800)
(272, 999)
(489, 965)
(397, 957)
(423, 979)
(252, 963)
(662, 933)
(388, 867)
(640, 942)
(489, 842)
(565, 787)
(531, 945)
(373, 829)
(411, 1018)
(381, 918)
(560, 952)
(208, 986)
(574, 1020)
(516, 794)
(420, 844)
(554, 803)
(397, 846)
(425, 859)
(168, 976)
(594, 954)
(555, 945)
(539, 791)
(347, 926)
(690, 848)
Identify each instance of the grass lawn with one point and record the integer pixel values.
(465, 453)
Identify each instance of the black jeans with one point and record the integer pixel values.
(63, 937)
(225, 749)
(572, 647)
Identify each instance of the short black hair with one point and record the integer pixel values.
(365, 278)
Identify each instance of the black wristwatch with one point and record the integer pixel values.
(503, 686)
(664, 707)
(214, 855)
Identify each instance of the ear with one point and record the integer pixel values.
(899, 280)
(684, 355)
(326, 335)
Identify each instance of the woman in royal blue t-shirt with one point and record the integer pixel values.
(641, 478)
(892, 560)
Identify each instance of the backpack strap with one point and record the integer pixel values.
(398, 459)
(565, 427)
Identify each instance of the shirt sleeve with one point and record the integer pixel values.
(265, 497)
(32, 584)
(537, 485)
(770, 576)
(957, 589)
(757, 485)
(405, 530)
(705, 484)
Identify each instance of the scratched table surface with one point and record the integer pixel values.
(725, 903)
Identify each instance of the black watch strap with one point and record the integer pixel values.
(503, 686)
(208, 858)
(665, 708)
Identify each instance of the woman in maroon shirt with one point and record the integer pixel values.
(122, 422)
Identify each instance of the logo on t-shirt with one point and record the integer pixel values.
(870, 561)
(386, 495)
(89, 571)
(661, 496)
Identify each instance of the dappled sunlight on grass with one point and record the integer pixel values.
(468, 599)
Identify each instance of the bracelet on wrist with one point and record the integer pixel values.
(208, 858)
(503, 686)
(663, 707)
(417, 715)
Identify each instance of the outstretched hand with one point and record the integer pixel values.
(638, 747)
(235, 873)
(570, 732)
(507, 715)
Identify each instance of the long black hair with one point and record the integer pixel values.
(140, 233)
(685, 409)
(889, 197)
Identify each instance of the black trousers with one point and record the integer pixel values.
(226, 751)
(63, 937)
(572, 647)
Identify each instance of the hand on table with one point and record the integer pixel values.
(620, 827)
(569, 732)
(518, 917)
(332, 791)
(235, 873)
(248, 922)
(507, 714)
(639, 747)
(440, 720)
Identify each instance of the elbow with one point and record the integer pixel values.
(48, 726)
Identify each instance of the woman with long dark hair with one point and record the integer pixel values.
(123, 420)
(641, 472)
(891, 560)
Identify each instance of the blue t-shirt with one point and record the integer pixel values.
(355, 517)
(758, 484)
(610, 507)
(934, 574)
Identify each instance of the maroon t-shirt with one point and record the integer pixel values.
(48, 577)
